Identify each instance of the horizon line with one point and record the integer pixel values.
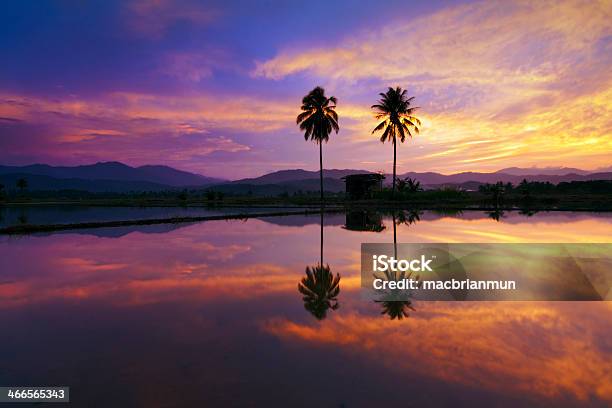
(595, 170)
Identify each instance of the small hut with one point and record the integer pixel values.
(361, 186)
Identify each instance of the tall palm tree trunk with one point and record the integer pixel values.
(321, 235)
(321, 167)
(394, 237)
(394, 158)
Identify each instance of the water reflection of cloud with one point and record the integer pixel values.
(253, 258)
(242, 283)
(561, 347)
(546, 350)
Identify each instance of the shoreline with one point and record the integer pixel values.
(34, 228)
(24, 229)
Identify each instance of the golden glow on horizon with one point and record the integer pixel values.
(550, 107)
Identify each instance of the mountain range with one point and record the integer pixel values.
(115, 171)
(119, 177)
(309, 180)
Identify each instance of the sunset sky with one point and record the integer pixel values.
(214, 87)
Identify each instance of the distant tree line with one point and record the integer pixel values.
(528, 188)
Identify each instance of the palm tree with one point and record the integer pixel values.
(409, 185)
(22, 184)
(497, 192)
(317, 120)
(414, 186)
(394, 107)
(525, 189)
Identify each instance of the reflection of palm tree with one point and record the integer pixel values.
(394, 235)
(397, 309)
(317, 120)
(408, 217)
(364, 220)
(452, 212)
(528, 212)
(320, 288)
(496, 214)
(394, 107)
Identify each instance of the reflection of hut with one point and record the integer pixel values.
(364, 221)
(360, 186)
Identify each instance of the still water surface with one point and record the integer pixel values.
(71, 214)
(209, 314)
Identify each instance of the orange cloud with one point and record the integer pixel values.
(151, 111)
(477, 43)
(532, 78)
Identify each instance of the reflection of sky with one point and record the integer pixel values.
(210, 83)
(214, 306)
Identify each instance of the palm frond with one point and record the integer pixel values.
(320, 289)
(318, 118)
(401, 129)
(302, 116)
(379, 126)
(394, 107)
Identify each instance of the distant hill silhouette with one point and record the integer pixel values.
(290, 186)
(118, 177)
(162, 175)
(427, 179)
(548, 171)
(46, 183)
(284, 176)
(436, 179)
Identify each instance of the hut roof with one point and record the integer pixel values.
(364, 177)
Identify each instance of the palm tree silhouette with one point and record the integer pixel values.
(408, 217)
(396, 309)
(394, 107)
(496, 191)
(23, 217)
(317, 120)
(414, 186)
(320, 288)
(22, 184)
(396, 305)
(409, 185)
(496, 214)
